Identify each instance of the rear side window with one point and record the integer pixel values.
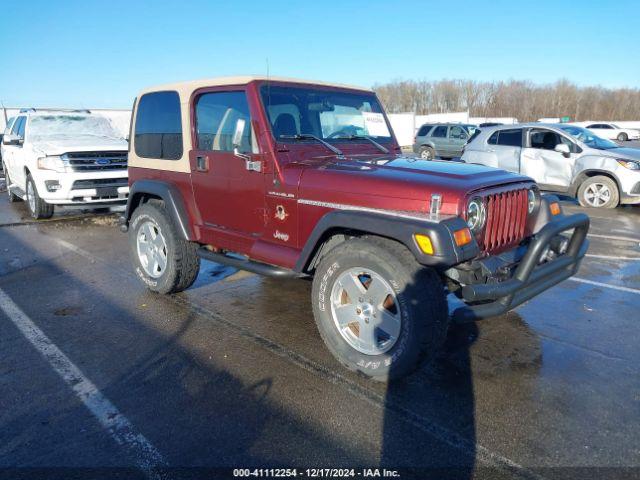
(424, 130)
(158, 131)
(217, 115)
(512, 138)
(440, 131)
(493, 139)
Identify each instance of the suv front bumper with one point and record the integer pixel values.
(533, 273)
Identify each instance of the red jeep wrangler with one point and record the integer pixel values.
(289, 178)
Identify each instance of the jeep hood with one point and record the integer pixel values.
(396, 178)
(78, 143)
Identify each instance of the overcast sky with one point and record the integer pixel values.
(101, 53)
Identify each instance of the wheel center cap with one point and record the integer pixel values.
(366, 310)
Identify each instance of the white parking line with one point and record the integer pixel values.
(610, 257)
(613, 237)
(606, 285)
(147, 457)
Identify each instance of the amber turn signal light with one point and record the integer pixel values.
(424, 242)
(554, 208)
(462, 237)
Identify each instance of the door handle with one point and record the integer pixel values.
(201, 163)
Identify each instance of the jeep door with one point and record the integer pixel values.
(540, 161)
(229, 196)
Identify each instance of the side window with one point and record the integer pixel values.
(158, 130)
(544, 139)
(608, 127)
(424, 130)
(512, 138)
(440, 131)
(9, 126)
(457, 132)
(216, 117)
(493, 139)
(593, 125)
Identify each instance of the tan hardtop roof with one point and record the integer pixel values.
(186, 88)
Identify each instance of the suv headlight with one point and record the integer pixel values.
(630, 164)
(52, 163)
(476, 215)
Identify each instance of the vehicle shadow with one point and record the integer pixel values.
(161, 364)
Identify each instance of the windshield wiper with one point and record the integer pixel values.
(308, 136)
(382, 148)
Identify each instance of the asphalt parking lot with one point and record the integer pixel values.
(101, 378)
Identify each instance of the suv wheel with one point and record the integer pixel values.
(12, 196)
(163, 260)
(622, 137)
(427, 153)
(38, 208)
(599, 192)
(378, 311)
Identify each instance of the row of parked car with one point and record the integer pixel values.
(564, 158)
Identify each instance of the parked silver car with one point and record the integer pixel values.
(444, 140)
(562, 158)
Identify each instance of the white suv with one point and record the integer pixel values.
(64, 158)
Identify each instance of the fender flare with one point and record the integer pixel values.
(169, 194)
(401, 228)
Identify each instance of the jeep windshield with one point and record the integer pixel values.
(329, 115)
(71, 125)
(588, 138)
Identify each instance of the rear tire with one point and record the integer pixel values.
(12, 196)
(163, 260)
(396, 317)
(623, 137)
(599, 192)
(38, 208)
(427, 153)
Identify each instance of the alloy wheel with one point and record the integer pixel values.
(365, 311)
(597, 194)
(152, 249)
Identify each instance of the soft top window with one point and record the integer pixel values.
(158, 129)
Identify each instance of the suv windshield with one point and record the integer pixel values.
(588, 138)
(326, 114)
(71, 125)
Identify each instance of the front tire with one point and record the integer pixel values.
(164, 261)
(623, 137)
(599, 192)
(378, 311)
(38, 208)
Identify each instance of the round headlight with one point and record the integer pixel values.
(476, 215)
(532, 200)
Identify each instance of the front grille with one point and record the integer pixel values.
(506, 219)
(99, 182)
(96, 161)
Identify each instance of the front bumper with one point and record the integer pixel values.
(79, 188)
(533, 274)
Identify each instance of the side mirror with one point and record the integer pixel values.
(12, 139)
(563, 149)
